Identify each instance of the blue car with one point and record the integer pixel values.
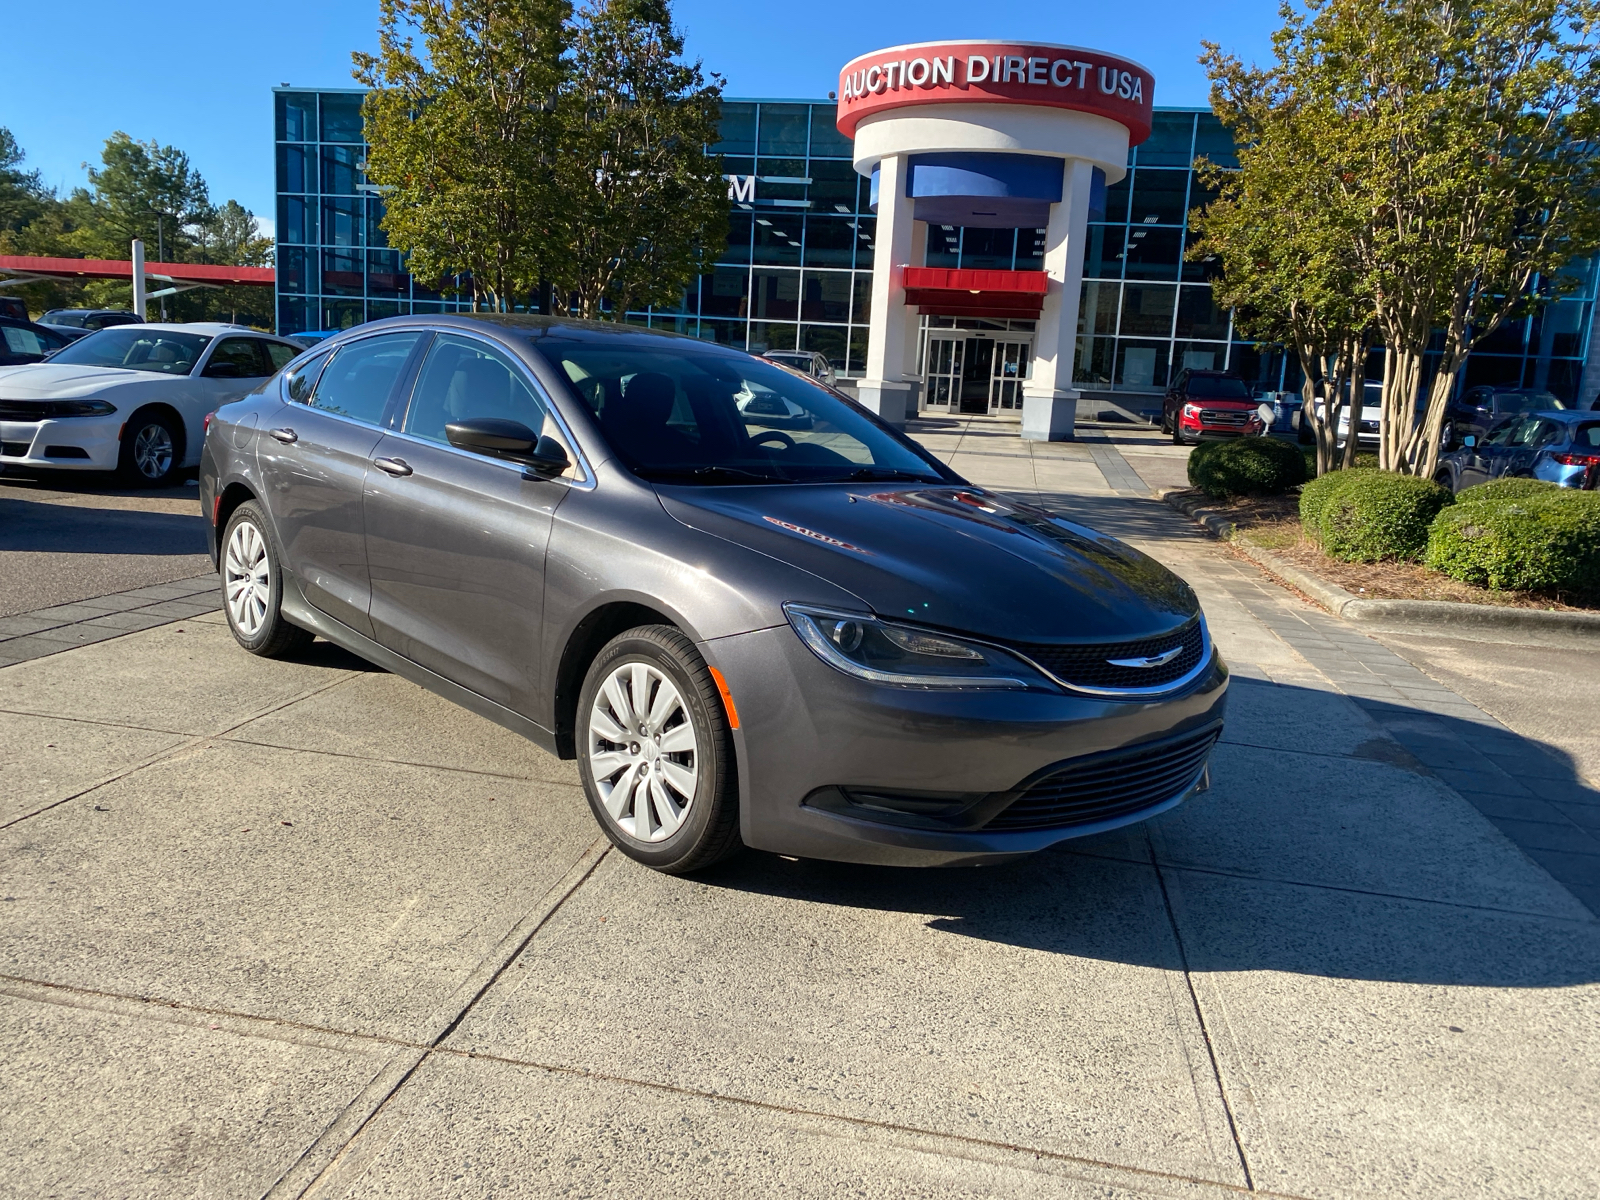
(1559, 447)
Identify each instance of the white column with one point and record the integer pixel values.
(138, 277)
(884, 390)
(1049, 401)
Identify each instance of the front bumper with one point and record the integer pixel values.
(807, 731)
(94, 442)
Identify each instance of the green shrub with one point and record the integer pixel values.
(1247, 466)
(1314, 497)
(1544, 540)
(1379, 515)
(1506, 489)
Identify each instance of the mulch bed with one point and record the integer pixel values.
(1273, 523)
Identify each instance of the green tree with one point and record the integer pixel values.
(641, 202)
(461, 138)
(1283, 241)
(23, 196)
(1461, 139)
(230, 237)
(140, 190)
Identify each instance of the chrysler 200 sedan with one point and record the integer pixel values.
(813, 639)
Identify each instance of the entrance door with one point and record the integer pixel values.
(1008, 369)
(945, 356)
(975, 370)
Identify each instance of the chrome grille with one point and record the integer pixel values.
(1090, 665)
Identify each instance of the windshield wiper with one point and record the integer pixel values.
(707, 474)
(885, 475)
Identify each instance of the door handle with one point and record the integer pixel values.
(287, 436)
(393, 466)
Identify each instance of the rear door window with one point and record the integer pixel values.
(358, 381)
(236, 358)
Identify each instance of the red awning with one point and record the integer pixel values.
(947, 292)
(110, 268)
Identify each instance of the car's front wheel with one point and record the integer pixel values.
(655, 752)
(151, 452)
(252, 587)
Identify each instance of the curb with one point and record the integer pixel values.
(1444, 616)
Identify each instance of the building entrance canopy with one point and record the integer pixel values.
(987, 135)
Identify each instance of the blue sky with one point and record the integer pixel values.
(199, 76)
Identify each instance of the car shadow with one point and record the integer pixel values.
(70, 529)
(1270, 871)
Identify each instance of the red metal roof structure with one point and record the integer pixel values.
(32, 267)
(948, 292)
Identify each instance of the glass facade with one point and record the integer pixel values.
(796, 272)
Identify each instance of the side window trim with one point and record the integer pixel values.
(407, 371)
(397, 418)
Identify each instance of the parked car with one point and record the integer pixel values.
(1201, 405)
(1479, 410)
(87, 320)
(822, 643)
(1562, 447)
(132, 398)
(1371, 414)
(813, 364)
(24, 342)
(310, 337)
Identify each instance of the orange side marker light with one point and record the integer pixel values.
(727, 698)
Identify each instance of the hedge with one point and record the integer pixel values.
(1512, 487)
(1246, 466)
(1379, 515)
(1543, 540)
(1314, 497)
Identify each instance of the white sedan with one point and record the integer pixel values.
(131, 398)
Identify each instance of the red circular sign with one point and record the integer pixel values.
(998, 73)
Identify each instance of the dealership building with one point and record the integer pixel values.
(1019, 239)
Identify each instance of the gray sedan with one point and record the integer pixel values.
(813, 639)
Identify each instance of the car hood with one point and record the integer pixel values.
(54, 381)
(962, 558)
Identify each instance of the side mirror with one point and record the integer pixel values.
(513, 441)
(223, 370)
(1469, 441)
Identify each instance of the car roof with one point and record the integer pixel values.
(538, 328)
(208, 327)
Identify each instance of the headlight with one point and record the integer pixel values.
(1191, 410)
(78, 408)
(881, 652)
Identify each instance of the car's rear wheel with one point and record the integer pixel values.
(252, 587)
(151, 454)
(655, 752)
(1447, 437)
(1444, 479)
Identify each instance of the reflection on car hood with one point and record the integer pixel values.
(958, 557)
(55, 381)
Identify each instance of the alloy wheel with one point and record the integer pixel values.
(643, 753)
(246, 579)
(153, 450)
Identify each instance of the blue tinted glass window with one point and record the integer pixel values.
(296, 116)
(297, 219)
(1153, 252)
(1160, 197)
(342, 273)
(292, 173)
(825, 296)
(1214, 142)
(783, 129)
(1102, 251)
(1171, 141)
(738, 128)
(342, 223)
(341, 117)
(339, 173)
(826, 140)
(830, 242)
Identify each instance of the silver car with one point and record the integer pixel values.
(813, 639)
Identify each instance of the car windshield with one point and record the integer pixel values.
(1217, 387)
(162, 350)
(683, 415)
(1526, 402)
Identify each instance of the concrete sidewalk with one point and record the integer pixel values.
(300, 928)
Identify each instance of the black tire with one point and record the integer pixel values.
(1446, 480)
(273, 637)
(1177, 435)
(1447, 437)
(709, 829)
(152, 451)
(1166, 423)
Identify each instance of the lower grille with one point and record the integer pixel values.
(1101, 787)
(65, 452)
(1091, 665)
(14, 449)
(22, 410)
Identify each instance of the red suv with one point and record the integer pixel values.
(1209, 404)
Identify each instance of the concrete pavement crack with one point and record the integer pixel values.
(1200, 1016)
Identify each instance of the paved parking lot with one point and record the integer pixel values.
(278, 929)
